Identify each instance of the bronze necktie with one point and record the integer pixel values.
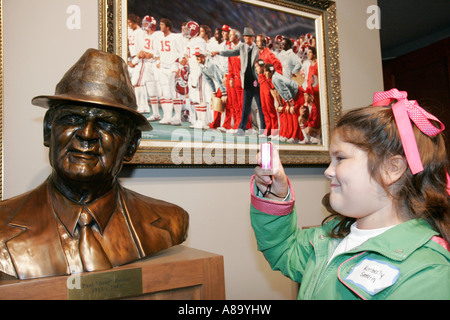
(91, 252)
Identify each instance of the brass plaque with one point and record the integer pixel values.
(105, 285)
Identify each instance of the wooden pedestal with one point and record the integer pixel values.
(176, 273)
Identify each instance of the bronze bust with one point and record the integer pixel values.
(81, 219)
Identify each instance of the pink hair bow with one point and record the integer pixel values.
(406, 111)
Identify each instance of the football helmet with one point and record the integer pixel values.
(149, 23)
(181, 80)
(192, 29)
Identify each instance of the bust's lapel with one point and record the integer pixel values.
(35, 247)
(149, 231)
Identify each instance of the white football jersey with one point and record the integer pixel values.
(151, 42)
(170, 48)
(190, 48)
(134, 37)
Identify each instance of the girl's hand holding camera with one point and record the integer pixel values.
(270, 177)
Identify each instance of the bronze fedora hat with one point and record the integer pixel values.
(98, 78)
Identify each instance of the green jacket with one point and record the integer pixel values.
(401, 263)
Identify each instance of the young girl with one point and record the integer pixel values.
(388, 234)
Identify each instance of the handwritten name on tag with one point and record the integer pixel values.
(373, 276)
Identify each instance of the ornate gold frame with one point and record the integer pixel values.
(113, 39)
(109, 26)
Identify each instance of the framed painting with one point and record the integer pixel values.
(194, 98)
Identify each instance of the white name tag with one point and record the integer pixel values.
(373, 276)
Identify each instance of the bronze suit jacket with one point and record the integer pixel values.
(30, 244)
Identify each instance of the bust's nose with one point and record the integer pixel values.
(88, 131)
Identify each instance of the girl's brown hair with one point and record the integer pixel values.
(424, 195)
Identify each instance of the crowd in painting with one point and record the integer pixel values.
(235, 81)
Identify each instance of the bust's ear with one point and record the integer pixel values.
(47, 128)
(133, 145)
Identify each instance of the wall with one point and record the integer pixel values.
(38, 48)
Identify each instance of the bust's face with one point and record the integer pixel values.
(88, 143)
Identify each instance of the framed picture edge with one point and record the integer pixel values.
(113, 38)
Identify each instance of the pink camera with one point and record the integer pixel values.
(266, 158)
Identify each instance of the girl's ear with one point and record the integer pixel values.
(393, 169)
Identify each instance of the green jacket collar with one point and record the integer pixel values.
(400, 241)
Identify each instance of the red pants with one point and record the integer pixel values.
(218, 115)
(284, 132)
(289, 126)
(232, 112)
(268, 107)
(237, 101)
